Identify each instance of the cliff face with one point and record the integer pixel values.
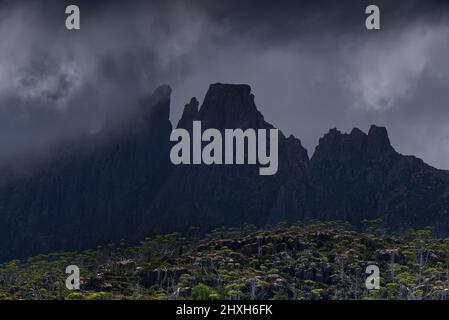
(93, 191)
(360, 176)
(212, 196)
(120, 183)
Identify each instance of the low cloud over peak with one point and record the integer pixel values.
(311, 66)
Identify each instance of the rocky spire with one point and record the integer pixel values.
(230, 106)
(189, 115)
(378, 141)
(158, 103)
(357, 144)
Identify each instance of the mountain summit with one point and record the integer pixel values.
(360, 176)
(120, 184)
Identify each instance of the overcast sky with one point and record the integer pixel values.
(312, 66)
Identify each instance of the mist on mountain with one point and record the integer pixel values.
(119, 183)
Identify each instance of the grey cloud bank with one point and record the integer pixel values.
(311, 66)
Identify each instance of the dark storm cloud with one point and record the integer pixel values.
(55, 83)
(312, 65)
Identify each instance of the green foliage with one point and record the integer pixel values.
(99, 296)
(307, 260)
(204, 292)
(75, 296)
(5, 296)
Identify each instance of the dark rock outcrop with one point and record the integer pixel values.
(360, 176)
(119, 183)
(211, 196)
(92, 192)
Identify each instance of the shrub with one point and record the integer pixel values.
(204, 292)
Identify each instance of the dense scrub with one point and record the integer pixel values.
(319, 260)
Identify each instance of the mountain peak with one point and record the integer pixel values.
(158, 102)
(230, 106)
(378, 135)
(239, 89)
(189, 115)
(357, 132)
(355, 144)
(379, 142)
(351, 176)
